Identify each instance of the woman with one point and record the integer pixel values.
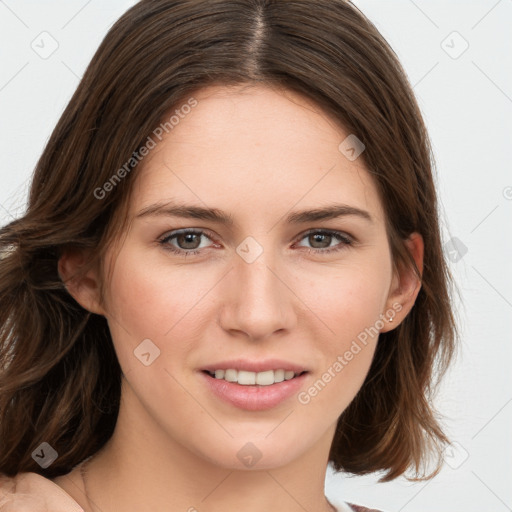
(230, 270)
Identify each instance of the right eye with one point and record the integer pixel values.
(184, 242)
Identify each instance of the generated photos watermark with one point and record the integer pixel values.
(305, 397)
(150, 144)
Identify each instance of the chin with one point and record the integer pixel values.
(251, 453)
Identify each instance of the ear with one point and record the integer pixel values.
(84, 288)
(405, 286)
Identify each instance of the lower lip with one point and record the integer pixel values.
(254, 398)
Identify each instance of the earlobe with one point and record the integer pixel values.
(405, 286)
(83, 287)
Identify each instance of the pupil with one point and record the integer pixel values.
(188, 238)
(319, 237)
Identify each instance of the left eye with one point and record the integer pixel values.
(188, 242)
(321, 240)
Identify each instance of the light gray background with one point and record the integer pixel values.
(466, 99)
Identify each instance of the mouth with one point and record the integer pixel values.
(257, 379)
(254, 391)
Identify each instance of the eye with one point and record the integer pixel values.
(321, 241)
(188, 242)
(184, 242)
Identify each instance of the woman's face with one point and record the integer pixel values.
(272, 283)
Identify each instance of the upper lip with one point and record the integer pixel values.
(255, 366)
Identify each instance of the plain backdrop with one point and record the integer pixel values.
(457, 56)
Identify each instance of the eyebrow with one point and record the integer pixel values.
(173, 209)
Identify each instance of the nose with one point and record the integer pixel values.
(257, 301)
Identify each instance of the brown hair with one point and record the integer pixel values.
(60, 379)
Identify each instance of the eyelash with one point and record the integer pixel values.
(338, 235)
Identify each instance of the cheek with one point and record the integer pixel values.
(349, 304)
(348, 299)
(146, 300)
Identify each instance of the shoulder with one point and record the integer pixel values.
(32, 492)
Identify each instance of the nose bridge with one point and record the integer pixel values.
(260, 303)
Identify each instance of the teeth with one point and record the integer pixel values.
(230, 375)
(263, 378)
(279, 375)
(246, 378)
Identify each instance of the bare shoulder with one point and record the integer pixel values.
(13, 493)
(7, 485)
(34, 492)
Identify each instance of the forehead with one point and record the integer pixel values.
(255, 149)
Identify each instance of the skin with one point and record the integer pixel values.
(257, 154)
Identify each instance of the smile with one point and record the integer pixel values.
(247, 378)
(246, 393)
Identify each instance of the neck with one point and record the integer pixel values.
(242, 494)
(145, 470)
